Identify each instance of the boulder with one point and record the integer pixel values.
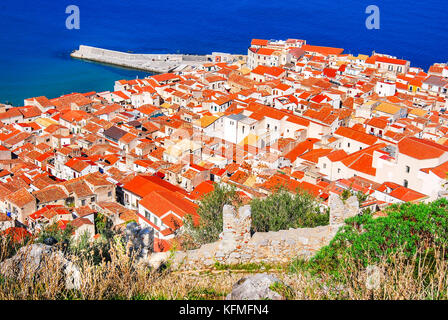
(50, 241)
(256, 287)
(157, 260)
(32, 259)
(140, 241)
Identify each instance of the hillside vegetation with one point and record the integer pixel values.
(281, 210)
(406, 251)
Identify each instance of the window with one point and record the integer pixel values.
(339, 170)
(348, 144)
(325, 165)
(83, 202)
(109, 194)
(405, 183)
(408, 169)
(147, 215)
(92, 199)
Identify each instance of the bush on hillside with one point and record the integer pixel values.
(282, 210)
(9, 245)
(97, 250)
(409, 229)
(210, 217)
(279, 211)
(54, 231)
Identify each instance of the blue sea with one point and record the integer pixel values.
(35, 44)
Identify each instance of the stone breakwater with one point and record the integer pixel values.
(157, 63)
(237, 246)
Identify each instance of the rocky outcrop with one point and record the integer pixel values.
(257, 287)
(140, 241)
(30, 261)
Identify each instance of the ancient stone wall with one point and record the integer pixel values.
(237, 246)
(339, 210)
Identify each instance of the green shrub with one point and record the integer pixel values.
(409, 229)
(53, 230)
(279, 211)
(282, 210)
(210, 216)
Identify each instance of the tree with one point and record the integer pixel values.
(282, 210)
(210, 216)
(103, 226)
(279, 211)
(98, 250)
(53, 230)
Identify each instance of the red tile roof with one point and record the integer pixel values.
(323, 50)
(259, 42)
(201, 190)
(356, 135)
(300, 149)
(421, 149)
(162, 202)
(441, 170)
(143, 185)
(390, 60)
(315, 154)
(362, 160)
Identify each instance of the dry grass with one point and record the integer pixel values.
(419, 278)
(120, 278)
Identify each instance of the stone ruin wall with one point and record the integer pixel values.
(236, 245)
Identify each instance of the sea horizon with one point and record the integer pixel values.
(35, 59)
